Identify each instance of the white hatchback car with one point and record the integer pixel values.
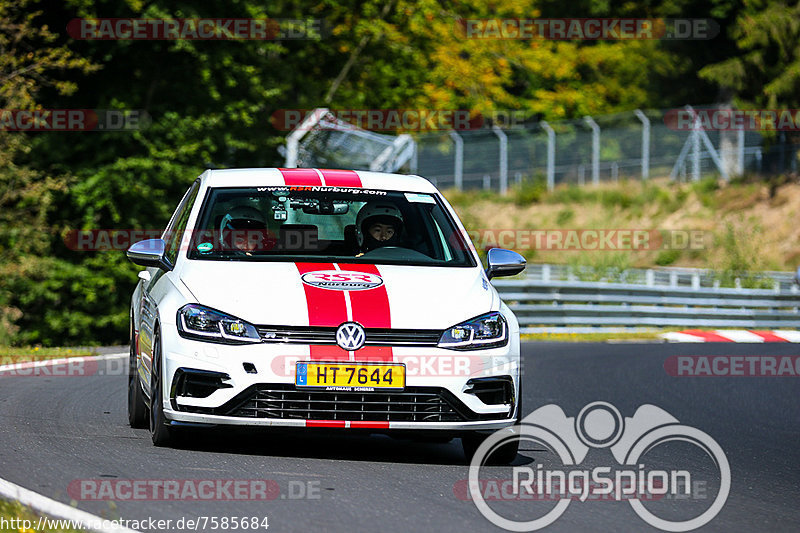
(321, 299)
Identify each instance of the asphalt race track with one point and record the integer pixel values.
(55, 430)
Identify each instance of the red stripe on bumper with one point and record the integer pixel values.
(325, 423)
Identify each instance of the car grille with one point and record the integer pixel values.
(415, 404)
(373, 336)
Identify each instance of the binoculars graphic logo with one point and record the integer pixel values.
(600, 425)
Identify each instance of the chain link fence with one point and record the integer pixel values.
(630, 145)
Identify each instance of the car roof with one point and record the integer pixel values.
(264, 177)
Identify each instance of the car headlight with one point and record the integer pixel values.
(203, 323)
(485, 331)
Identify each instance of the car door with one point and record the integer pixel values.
(148, 314)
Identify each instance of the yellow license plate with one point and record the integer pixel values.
(350, 376)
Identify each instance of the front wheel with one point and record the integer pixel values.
(137, 408)
(159, 431)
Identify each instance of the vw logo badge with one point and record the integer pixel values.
(350, 336)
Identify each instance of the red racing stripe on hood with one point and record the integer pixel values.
(325, 307)
(371, 309)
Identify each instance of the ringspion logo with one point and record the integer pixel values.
(600, 425)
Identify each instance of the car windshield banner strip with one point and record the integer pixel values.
(325, 178)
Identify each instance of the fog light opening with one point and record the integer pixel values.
(492, 391)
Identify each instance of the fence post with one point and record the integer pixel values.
(740, 151)
(458, 171)
(487, 182)
(503, 158)
(551, 155)
(595, 148)
(645, 143)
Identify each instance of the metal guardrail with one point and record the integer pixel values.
(647, 298)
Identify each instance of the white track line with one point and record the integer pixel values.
(43, 504)
(59, 510)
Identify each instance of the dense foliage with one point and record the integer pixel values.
(210, 104)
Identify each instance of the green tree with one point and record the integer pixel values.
(29, 62)
(765, 71)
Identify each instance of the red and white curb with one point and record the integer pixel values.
(52, 508)
(732, 335)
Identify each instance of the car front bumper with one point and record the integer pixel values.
(273, 365)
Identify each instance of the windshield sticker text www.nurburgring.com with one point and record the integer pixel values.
(321, 188)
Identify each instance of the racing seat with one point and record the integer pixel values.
(299, 237)
(350, 240)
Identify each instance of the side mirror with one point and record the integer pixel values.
(149, 253)
(503, 262)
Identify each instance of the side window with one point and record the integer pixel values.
(177, 225)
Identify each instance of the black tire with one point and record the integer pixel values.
(137, 408)
(502, 456)
(159, 431)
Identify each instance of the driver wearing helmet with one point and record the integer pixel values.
(243, 228)
(378, 225)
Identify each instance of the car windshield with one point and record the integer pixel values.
(331, 224)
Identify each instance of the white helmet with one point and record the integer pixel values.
(377, 210)
(241, 217)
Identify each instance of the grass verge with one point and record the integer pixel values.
(592, 337)
(37, 353)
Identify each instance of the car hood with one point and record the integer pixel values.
(403, 297)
